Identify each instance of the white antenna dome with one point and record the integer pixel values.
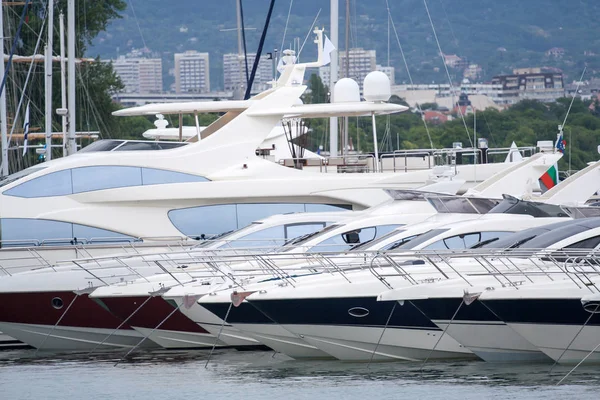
(376, 87)
(346, 90)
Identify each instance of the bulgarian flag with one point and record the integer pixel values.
(549, 179)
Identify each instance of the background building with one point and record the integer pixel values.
(361, 62)
(139, 74)
(530, 83)
(192, 73)
(233, 80)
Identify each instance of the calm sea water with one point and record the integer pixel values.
(263, 375)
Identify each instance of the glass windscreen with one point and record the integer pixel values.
(520, 239)
(512, 205)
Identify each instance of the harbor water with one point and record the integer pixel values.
(265, 375)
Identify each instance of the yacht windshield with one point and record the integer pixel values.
(421, 239)
(512, 205)
(299, 241)
(372, 243)
(522, 239)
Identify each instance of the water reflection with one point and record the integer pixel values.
(232, 368)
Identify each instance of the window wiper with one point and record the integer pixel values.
(358, 246)
(520, 242)
(483, 243)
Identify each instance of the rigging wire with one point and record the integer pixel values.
(29, 74)
(462, 116)
(137, 23)
(391, 20)
(449, 24)
(286, 26)
(308, 34)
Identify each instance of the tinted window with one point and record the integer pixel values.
(213, 220)
(54, 184)
(152, 176)
(271, 237)
(18, 175)
(422, 238)
(248, 213)
(206, 220)
(86, 179)
(589, 243)
(327, 207)
(101, 145)
(33, 232)
(132, 146)
(297, 230)
(97, 235)
(347, 240)
(465, 241)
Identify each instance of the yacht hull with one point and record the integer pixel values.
(62, 321)
(169, 339)
(251, 321)
(476, 328)
(160, 321)
(226, 333)
(69, 338)
(555, 341)
(561, 328)
(347, 328)
(356, 343)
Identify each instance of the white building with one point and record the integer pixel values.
(361, 62)
(139, 74)
(234, 79)
(192, 73)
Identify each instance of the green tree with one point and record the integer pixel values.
(317, 92)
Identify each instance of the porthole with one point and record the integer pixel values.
(593, 307)
(358, 312)
(57, 303)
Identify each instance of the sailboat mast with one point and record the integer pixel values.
(71, 145)
(3, 124)
(347, 75)
(239, 89)
(63, 82)
(48, 80)
(333, 122)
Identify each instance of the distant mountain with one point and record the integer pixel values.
(497, 35)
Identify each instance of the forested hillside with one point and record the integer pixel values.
(498, 35)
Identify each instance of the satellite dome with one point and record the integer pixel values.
(376, 87)
(346, 90)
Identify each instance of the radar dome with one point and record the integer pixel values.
(376, 87)
(346, 90)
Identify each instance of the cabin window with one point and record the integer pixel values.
(18, 232)
(54, 184)
(206, 221)
(87, 179)
(153, 176)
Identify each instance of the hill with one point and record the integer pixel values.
(499, 36)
